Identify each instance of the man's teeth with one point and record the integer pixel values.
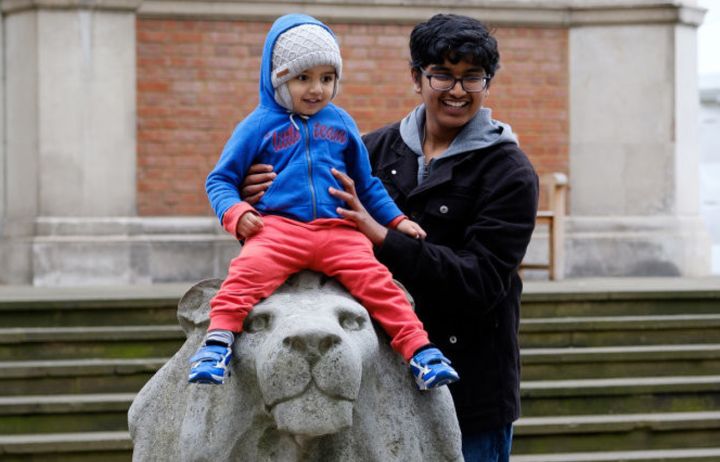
(455, 103)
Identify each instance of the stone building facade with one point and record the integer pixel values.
(115, 111)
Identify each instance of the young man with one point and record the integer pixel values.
(462, 177)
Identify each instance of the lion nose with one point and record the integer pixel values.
(312, 344)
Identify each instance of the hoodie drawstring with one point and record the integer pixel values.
(292, 120)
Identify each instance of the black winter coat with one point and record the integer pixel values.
(478, 210)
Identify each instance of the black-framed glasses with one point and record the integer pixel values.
(446, 82)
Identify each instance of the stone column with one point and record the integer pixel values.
(70, 128)
(634, 205)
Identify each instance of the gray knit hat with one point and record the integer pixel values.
(298, 49)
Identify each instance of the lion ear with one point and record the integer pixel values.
(311, 280)
(194, 307)
(407, 294)
(305, 280)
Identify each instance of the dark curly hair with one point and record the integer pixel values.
(455, 38)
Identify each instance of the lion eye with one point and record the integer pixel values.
(257, 323)
(351, 321)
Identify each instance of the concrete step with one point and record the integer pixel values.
(621, 297)
(34, 343)
(76, 376)
(27, 306)
(67, 447)
(582, 331)
(64, 413)
(662, 455)
(620, 361)
(622, 432)
(620, 395)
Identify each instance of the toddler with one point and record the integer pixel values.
(295, 225)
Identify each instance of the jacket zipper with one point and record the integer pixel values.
(309, 164)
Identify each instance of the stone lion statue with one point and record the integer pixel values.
(311, 380)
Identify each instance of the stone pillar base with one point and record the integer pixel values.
(129, 250)
(636, 246)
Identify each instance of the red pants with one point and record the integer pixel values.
(331, 246)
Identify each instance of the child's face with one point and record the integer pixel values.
(312, 89)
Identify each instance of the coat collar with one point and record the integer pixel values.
(402, 166)
(404, 162)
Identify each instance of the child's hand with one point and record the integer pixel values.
(249, 224)
(412, 229)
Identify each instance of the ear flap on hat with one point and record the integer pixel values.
(283, 97)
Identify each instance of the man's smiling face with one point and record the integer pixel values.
(450, 109)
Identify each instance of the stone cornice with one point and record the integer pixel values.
(547, 13)
(15, 6)
(542, 13)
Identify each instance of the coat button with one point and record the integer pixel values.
(453, 339)
(444, 209)
(393, 171)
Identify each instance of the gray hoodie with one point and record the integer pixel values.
(480, 132)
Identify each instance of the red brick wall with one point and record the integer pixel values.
(197, 79)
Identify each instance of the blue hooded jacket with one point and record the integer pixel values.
(302, 152)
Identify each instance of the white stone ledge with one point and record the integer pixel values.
(633, 224)
(68, 251)
(621, 246)
(546, 13)
(57, 227)
(15, 6)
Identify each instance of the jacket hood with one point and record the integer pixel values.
(481, 131)
(282, 24)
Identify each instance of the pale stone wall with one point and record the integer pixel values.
(710, 163)
(634, 152)
(70, 144)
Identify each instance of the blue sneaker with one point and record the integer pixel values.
(210, 364)
(431, 369)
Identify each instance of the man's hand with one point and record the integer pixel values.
(412, 229)
(256, 182)
(249, 224)
(357, 213)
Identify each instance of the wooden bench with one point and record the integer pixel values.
(554, 185)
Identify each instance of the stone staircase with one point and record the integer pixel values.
(620, 371)
(71, 362)
(612, 370)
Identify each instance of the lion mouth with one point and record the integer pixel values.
(311, 386)
(312, 413)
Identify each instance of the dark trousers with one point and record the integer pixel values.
(488, 446)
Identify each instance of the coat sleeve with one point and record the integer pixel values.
(478, 269)
(369, 188)
(223, 183)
